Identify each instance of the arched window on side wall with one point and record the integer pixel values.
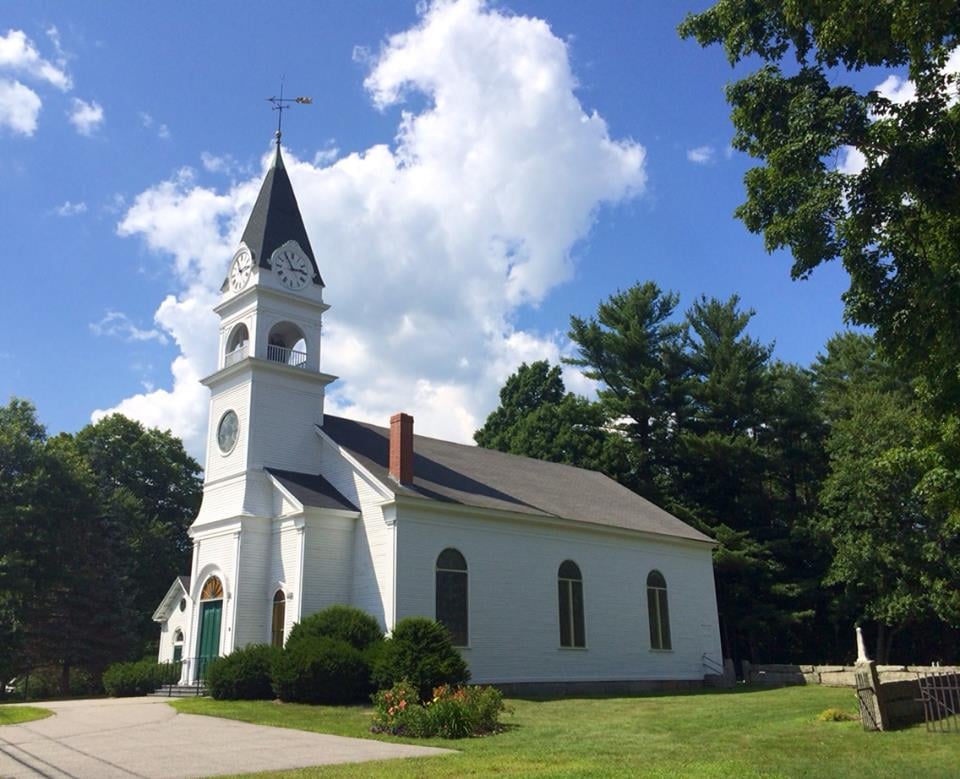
(658, 611)
(279, 618)
(452, 595)
(178, 646)
(570, 586)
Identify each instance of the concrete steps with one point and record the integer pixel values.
(178, 691)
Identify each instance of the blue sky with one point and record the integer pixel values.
(598, 158)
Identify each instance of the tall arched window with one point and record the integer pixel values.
(452, 594)
(570, 585)
(658, 611)
(279, 618)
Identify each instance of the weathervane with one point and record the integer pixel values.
(281, 104)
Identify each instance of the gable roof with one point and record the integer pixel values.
(179, 589)
(312, 490)
(276, 219)
(488, 479)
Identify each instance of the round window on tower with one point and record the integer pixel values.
(227, 431)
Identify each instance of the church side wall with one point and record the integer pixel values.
(371, 584)
(327, 565)
(513, 598)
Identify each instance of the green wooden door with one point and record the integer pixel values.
(209, 645)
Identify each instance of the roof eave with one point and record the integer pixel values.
(431, 504)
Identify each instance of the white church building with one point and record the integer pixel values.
(543, 573)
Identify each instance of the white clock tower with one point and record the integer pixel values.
(268, 388)
(266, 401)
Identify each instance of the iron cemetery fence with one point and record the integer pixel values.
(940, 695)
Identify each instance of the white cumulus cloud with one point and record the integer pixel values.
(19, 107)
(428, 246)
(86, 117)
(18, 53)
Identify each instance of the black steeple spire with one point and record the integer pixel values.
(276, 218)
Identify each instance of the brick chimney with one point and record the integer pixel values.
(401, 448)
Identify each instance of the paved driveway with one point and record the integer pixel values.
(144, 737)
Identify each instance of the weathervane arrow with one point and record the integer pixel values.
(281, 104)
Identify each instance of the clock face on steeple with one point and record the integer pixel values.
(240, 269)
(292, 267)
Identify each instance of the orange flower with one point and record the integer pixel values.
(403, 705)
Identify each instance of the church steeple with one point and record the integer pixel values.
(276, 219)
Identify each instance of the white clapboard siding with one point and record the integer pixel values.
(327, 566)
(372, 584)
(513, 598)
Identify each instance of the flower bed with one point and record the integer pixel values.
(452, 712)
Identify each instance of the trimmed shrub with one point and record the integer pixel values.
(452, 712)
(245, 674)
(345, 623)
(419, 651)
(321, 670)
(139, 678)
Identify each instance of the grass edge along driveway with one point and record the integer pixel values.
(14, 715)
(748, 732)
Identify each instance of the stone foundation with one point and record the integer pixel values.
(833, 675)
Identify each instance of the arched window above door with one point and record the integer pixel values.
(212, 589)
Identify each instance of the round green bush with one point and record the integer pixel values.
(245, 674)
(321, 670)
(419, 651)
(345, 623)
(139, 678)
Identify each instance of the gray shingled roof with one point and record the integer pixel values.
(276, 219)
(488, 479)
(312, 490)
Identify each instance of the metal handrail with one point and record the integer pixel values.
(191, 666)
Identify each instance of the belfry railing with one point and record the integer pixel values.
(291, 357)
(236, 355)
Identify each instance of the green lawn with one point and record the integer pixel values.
(13, 715)
(746, 733)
